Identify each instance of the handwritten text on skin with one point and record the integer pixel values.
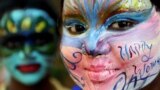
(139, 75)
(128, 51)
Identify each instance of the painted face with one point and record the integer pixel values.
(27, 44)
(111, 44)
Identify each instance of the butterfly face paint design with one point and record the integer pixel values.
(111, 44)
(28, 41)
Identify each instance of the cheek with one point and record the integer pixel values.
(71, 56)
(10, 65)
(140, 54)
(10, 61)
(129, 51)
(138, 58)
(41, 59)
(71, 41)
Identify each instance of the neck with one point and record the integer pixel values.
(44, 84)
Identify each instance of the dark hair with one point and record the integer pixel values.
(46, 5)
(156, 3)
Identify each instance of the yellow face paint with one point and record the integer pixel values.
(136, 5)
(40, 26)
(11, 27)
(26, 24)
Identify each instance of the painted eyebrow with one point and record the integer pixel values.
(75, 12)
(114, 9)
(70, 11)
(73, 15)
(104, 13)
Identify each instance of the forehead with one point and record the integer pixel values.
(98, 5)
(26, 21)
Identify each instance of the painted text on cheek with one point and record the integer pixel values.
(139, 75)
(127, 52)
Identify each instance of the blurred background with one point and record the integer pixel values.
(58, 69)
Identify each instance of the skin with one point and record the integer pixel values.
(111, 44)
(27, 47)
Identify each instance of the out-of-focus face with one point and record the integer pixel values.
(27, 44)
(111, 44)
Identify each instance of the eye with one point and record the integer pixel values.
(122, 25)
(13, 42)
(76, 29)
(39, 39)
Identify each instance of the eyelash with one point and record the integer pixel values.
(121, 25)
(118, 23)
(125, 21)
(75, 28)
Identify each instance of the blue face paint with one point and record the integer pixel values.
(136, 17)
(91, 31)
(28, 45)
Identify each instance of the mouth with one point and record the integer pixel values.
(29, 68)
(101, 74)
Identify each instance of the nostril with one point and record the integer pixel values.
(96, 49)
(91, 52)
(94, 53)
(99, 54)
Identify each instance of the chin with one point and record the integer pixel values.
(30, 80)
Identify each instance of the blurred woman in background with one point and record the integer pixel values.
(29, 38)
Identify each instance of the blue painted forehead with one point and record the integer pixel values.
(26, 21)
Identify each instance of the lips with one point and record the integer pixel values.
(100, 73)
(29, 68)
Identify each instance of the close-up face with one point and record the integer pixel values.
(111, 44)
(27, 44)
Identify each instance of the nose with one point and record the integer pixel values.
(94, 46)
(28, 52)
(99, 49)
(27, 49)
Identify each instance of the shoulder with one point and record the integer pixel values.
(58, 85)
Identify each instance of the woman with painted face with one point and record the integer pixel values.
(28, 42)
(111, 44)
